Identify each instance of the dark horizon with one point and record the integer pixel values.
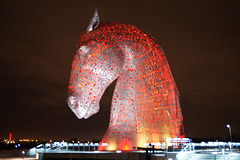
(38, 42)
(76, 140)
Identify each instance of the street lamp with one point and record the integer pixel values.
(230, 131)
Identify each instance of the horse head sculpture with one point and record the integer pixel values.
(145, 104)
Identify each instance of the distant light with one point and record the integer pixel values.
(104, 144)
(118, 151)
(228, 126)
(37, 155)
(10, 136)
(96, 144)
(23, 152)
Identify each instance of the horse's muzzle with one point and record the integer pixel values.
(76, 107)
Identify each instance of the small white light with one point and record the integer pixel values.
(37, 155)
(104, 144)
(118, 151)
(228, 126)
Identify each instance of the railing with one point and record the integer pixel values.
(188, 147)
(65, 146)
(176, 147)
(211, 146)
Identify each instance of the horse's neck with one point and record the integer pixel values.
(124, 100)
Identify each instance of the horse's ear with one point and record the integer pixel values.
(128, 63)
(93, 22)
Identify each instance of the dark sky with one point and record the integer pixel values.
(37, 45)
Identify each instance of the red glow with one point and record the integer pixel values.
(10, 136)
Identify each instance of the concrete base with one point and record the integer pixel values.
(100, 156)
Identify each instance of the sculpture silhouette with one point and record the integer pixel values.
(145, 104)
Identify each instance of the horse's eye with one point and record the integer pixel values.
(83, 49)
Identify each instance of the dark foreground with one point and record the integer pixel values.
(16, 155)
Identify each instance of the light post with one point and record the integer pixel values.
(230, 133)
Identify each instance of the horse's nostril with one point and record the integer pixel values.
(72, 102)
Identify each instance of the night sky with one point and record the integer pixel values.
(38, 41)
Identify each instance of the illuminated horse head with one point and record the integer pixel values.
(145, 104)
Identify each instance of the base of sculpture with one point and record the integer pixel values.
(138, 155)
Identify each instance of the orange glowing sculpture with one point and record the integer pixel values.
(145, 104)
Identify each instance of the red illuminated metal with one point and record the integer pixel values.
(145, 104)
